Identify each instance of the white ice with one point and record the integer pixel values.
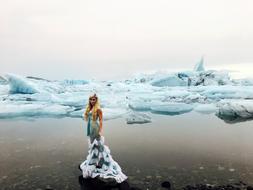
(236, 108)
(138, 118)
(200, 90)
(19, 84)
(171, 108)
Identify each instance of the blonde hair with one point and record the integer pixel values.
(89, 106)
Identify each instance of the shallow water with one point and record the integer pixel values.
(184, 149)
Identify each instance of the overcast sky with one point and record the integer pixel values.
(109, 39)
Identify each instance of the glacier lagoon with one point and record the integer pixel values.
(185, 127)
(161, 92)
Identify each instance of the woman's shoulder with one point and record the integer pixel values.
(99, 110)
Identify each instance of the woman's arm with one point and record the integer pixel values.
(100, 115)
(84, 116)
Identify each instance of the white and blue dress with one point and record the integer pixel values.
(99, 162)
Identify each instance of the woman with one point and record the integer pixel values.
(99, 163)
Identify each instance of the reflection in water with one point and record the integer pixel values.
(231, 119)
(94, 183)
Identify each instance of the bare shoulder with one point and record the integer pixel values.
(99, 110)
(100, 115)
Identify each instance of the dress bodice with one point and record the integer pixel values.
(90, 115)
(91, 125)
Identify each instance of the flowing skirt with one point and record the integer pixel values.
(99, 162)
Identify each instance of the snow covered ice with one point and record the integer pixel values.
(235, 110)
(170, 93)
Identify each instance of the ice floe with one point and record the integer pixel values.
(138, 118)
(235, 110)
(170, 93)
(171, 108)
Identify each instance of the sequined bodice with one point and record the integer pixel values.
(91, 124)
(90, 116)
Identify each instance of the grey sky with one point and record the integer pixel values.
(110, 39)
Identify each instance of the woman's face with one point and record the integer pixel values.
(93, 101)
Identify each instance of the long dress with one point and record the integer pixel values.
(99, 162)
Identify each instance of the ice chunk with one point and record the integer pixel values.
(235, 110)
(19, 84)
(139, 118)
(4, 90)
(227, 92)
(140, 105)
(169, 80)
(77, 113)
(200, 65)
(113, 113)
(195, 97)
(243, 82)
(75, 82)
(118, 98)
(10, 110)
(3, 80)
(171, 108)
(206, 108)
(210, 77)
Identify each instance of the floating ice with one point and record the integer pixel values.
(227, 92)
(10, 110)
(200, 66)
(236, 110)
(139, 105)
(171, 108)
(206, 108)
(243, 82)
(170, 80)
(75, 82)
(201, 90)
(199, 76)
(138, 118)
(19, 84)
(3, 81)
(113, 113)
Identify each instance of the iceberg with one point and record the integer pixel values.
(227, 92)
(199, 67)
(140, 105)
(170, 80)
(236, 110)
(199, 76)
(243, 82)
(138, 118)
(206, 108)
(3, 81)
(75, 82)
(19, 84)
(113, 113)
(171, 108)
(199, 90)
(11, 110)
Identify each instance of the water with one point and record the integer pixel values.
(185, 149)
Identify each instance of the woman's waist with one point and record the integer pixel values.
(94, 122)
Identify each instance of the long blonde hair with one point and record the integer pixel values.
(89, 106)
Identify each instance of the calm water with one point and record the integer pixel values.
(185, 149)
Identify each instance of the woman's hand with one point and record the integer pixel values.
(100, 132)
